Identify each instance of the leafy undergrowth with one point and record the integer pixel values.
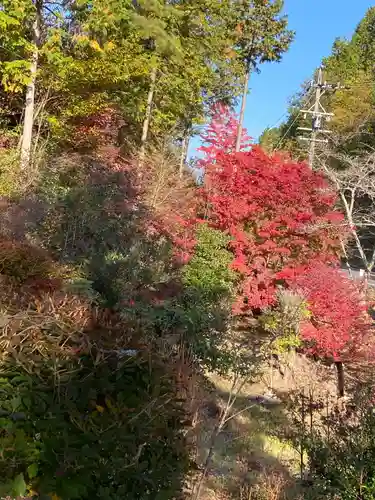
(80, 415)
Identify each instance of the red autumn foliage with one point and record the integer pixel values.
(285, 231)
(96, 130)
(220, 135)
(339, 326)
(279, 214)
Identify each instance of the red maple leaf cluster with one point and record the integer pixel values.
(339, 326)
(220, 135)
(280, 216)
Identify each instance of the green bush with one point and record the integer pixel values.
(110, 430)
(209, 269)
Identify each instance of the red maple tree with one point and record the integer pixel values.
(280, 215)
(285, 231)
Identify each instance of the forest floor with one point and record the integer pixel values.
(255, 456)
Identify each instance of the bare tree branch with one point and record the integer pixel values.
(353, 177)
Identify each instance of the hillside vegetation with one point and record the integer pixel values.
(174, 328)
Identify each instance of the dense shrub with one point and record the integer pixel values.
(79, 417)
(23, 261)
(107, 431)
(99, 220)
(342, 451)
(195, 308)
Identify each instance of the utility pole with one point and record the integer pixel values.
(316, 124)
(318, 115)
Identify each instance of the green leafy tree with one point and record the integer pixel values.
(20, 62)
(263, 36)
(162, 64)
(269, 140)
(15, 45)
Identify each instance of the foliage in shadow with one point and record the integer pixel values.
(79, 419)
(94, 421)
(81, 415)
(338, 440)
(99, 222)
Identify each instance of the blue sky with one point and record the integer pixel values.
(317, 23)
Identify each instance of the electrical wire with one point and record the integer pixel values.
(279, 120)
(291, 125)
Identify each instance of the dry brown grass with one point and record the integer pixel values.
(253, 459)
(272, 486)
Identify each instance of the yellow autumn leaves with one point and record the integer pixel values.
(94, 44)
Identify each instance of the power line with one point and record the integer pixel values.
(291, 125)
(278, 121)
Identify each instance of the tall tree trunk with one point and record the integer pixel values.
(28, 123)
(146, 122)
(243, 107)
(340, 378)
(184, 148)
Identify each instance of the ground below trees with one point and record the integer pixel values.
(258, 454)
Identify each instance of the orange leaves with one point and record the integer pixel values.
(239, 28)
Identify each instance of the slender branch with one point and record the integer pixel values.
(234, 415)
(352, 200)
(346, 258)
